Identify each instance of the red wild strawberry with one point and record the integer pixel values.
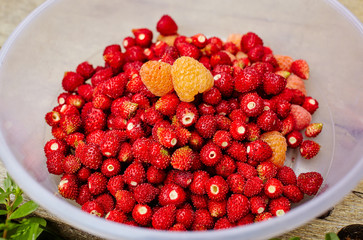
(123, 107)
(236, 183)
(185, 216)
(135, 53)
(116, 122)
(258, 150)
(101, 101)
(220, 58)
(199, 40)
(238, 130)
(75, 100)
(116, 216)
(182, 158)
(273, 84)
(71, 81)
(214, 45)
(83, 174)
(273, 188)
(93, 208)
(286, 175)
(172, 194)
(253, 186)
(309, 182)
(155, 175)
(293, 193)
(183, 135)
(202, 220)
(266, 170)
(141, 100)
(189, 50)
(237, 150)
(183, 178)
(113, 87)
(310, 104)
(114, 184)
(210, 154)
(224, 83)
(90, 156)
(263, 217)
(71, 164)
(94, 119)
(283, 108)
(125, 153)
(248, 80)
(110, 144)
(114, 59)
(145, 193)
(54, 145)
(226, 166)
(279, 206)
(143, 37)
(222, 139)
(258, 204)
(247, 219)
(125, 201)
(205, 109)
(84, 195)
(70, 123)
(142, 214)
(195, 141)
(68, 186)
(206, 126)
(128, 42)
(216, 188)
(97, 183)
(106, 201)
(217, 209)
(238, 114)
(134, 129)
(101, 76)
(237, 207)
(212, 96)
(166, 26)
(309, 149)
(300, 68)
(85, 69)
(288, 125)
(159, 156)
(268, 121)
(140, 150)
(166, 137)
(52, 118)
(198, 184)
(151, 116)
(230, 47)
(253, 131)
(110, 167)
(61, 99)
(159, 48)
(164, 217)
(314, 129)
(250, 40)
(199, 201)
(167, 104)
(223, 108)
(294, 139)
(252, 104)
(187, 114)
(134, 174)
(256, 54)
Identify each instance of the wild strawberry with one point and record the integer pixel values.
(84, 195)
(212, 96)
(302, 117)
(199, 201)
(287, 125)
(110, 144)
(166, 26)
(178, 227)
(206, 126)
(258, 204)
(214, 45)
(238, 114)
(268, 121)
(195, 141)
(216, 188)
(134, 129)
(182, 158)
(309, 182)
(93, 208)
(116, 122)
(222, 69)
(123, 107)
(159, 156)
(75, 100)
(236, 183)
(134, 174)
(155, 175)
(314, 129)
(252, 104)
(256, 54)
(223, 223)
(222, 138)
(273, 188)
(237, 207)
(71, 81)
(273, 84)
(238, 130)
(134, 53)
(237, 150)
(310, 104)
(116, 216)
(187, 114)
(253, 186)
(210, 154)
(166, 137)
(250, 40)
(110, 167)
(135, 84)
(128, 42)
(145, 193)
(247, 219)
(95, 119)
(286, 175)
(188, 50)
(125, 201)
(248, 80)
(83, 174)
(172, 194)
(199, 40)
(52, 118)
(223, 108)
(106, 201)
(71, 164)
(226, 166)
(113, 87)
(68, 186)
(217, 209)
(70, 123)
(202, 220)
(309, 149)
(206, 109)
(142, 214)
(85, 69)
(230, 47)
(114, 59)
(97, 183)
(266, 170)
(293, 193)
(283, 108)
(167, 104)
(301, 68)
(220, 58)
(54, 145)
(198, 184)
(258, 150)
(101, 76)
(279, 206)
(185, 216)
(90, 156)
(263, 217)
(114, 184)
(183, 135)
(253, 132)
(86, 92)
(294, 139)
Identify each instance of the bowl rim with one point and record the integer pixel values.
(72, 215)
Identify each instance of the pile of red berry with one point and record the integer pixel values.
(128, 149)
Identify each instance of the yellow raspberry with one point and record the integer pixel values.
(190, 77)
(284, 62)
(157, 77)
(294, 82)
(278, 144)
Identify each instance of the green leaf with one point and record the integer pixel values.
(295, 238)
(24, 210)
(4, 196)
(17, 201)
(3, 212)
(331, 236)
(7, 183)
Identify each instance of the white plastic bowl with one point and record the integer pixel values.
(60, 34)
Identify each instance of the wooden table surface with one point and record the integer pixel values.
(348, 211)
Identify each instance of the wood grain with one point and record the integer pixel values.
(348, 211)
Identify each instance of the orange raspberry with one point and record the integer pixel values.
(190, 77)
(278, 144)
(284, 62)
(294, 82)
(157, 77)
